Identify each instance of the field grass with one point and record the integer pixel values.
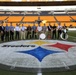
(3, 72)
(72, 37)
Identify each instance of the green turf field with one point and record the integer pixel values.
(72, 37)
(3, 72)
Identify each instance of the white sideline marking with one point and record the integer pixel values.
(66, 67)
(13, 66)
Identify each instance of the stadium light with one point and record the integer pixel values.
(58, 0)
(28, 0)
(17, 0)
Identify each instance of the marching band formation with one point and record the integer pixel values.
(9, 33)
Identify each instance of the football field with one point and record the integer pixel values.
(71, 38)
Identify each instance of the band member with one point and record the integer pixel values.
(49, 27)
(64, 25)
(44, 28)
(2, 32)
(49, 30)
(7, 29)
(29, 31)
(59, 30)
(25, 32)
(17, 29)
(39, 29)
(54, 32)
(64, 31)
(34, 31)
(22, 32)
(11, 32)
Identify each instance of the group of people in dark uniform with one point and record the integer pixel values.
(8, 33)
(57, 30)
